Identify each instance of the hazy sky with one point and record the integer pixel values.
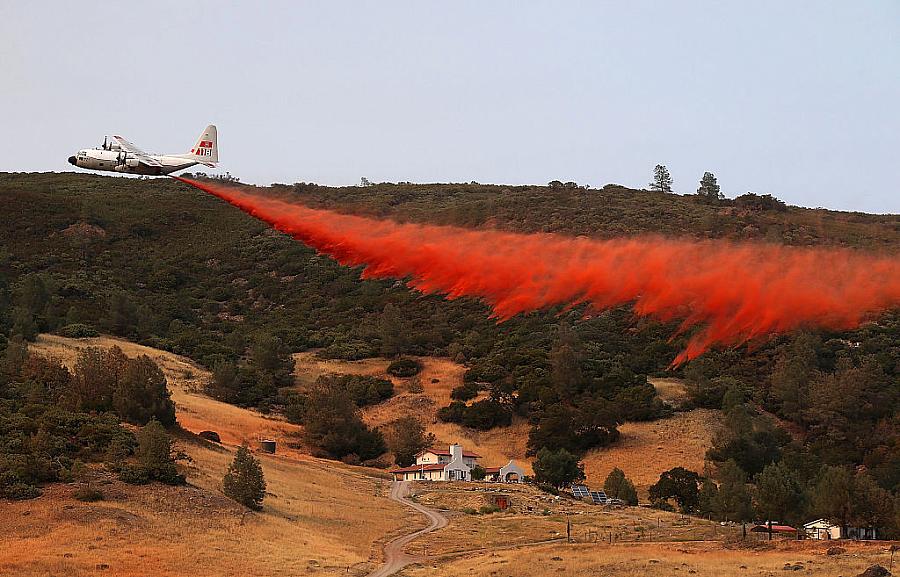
(797, 99)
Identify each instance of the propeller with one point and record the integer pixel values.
(104, 144)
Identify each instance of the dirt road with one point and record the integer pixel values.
(395, 558)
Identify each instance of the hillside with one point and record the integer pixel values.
(322, 517)
(172, 268)
(319, 516)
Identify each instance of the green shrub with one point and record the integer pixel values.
(78, 331)
(464, 392)
(88, 494)
(134, 474)
(452, 413)
(404, 368)
(363, 389)
(155, 458)
(488, 509)
(19, 491)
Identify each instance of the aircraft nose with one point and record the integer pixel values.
(71, 160)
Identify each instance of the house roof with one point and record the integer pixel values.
(490, 470)
(775, 529)
(821, 522)
(414, 468)
(446, 453)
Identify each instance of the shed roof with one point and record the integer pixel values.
(775, 529)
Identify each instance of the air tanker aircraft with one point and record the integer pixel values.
(119, 155)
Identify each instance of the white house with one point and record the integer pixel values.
(453, 464)
(824, 529)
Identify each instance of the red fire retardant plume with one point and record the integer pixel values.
(732, 293)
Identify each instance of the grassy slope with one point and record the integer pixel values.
(318, 515)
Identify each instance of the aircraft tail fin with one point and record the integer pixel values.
(206, 149)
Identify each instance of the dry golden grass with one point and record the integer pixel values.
(316, 516)
(535, 516)
(319, 516)
(647, 449)
(660, 560)
(672, 391)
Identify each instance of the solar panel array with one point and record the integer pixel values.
(580, 491)
(598, 497)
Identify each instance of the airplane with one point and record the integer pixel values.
(119, 155)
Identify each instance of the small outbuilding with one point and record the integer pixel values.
(825, 529)
(509, 473)
(500, 500)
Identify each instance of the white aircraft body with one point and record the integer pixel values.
(119, 155)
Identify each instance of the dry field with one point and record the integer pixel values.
(628, 541)
(662, 560)
(534, 516)
(320, 517)
(647, 449)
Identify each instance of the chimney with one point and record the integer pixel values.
(456, 452)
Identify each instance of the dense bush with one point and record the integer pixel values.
(486, 414)
(332, 425)
(78, 331)
(557, 468)
(42, 438)
(155, 458)
(88, 494)
(464, 392)
(363, 389)
(404, 368)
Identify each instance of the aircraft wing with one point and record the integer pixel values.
(137, 152)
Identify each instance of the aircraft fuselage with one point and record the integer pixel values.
(117, 160)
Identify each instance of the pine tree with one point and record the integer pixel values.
(733, 500)
(392, 330)
(832, 495)
(662, 180)
(244, 481)
(778, 493)
(709, 188)
(565, 361)
(406, 436)
(709, 497)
